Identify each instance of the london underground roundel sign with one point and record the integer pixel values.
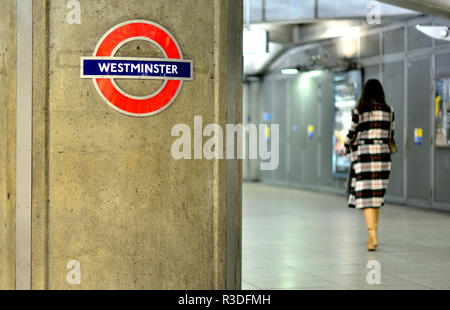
(103, 68)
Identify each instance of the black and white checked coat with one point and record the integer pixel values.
(367, 141)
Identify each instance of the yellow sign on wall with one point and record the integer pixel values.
(310, 131)
(418, 136)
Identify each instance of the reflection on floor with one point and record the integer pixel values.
(296, 239)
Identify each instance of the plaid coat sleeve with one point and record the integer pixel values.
(352, 133)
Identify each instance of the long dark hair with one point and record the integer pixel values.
(372, 94)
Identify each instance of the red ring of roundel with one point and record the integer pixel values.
(116, 98)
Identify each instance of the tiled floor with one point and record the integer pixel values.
(295, 239)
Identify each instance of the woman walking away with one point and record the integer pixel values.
(368, 142)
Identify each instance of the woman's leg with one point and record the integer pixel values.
(370, 215)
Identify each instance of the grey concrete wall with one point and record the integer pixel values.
(7, 142)
(106, 190)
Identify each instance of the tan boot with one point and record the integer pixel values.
(377, 211)
(370, 215)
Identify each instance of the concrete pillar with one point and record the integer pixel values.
(7, 142)
(107, 192)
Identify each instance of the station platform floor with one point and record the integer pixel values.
(299, 240)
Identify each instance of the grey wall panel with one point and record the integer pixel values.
(417, 39)
(442, 174)
(393, 41)
(418, 157)
(393, 82)
(442, 156)
(246, 103)
(370, 45)
(251, 101)
(441, 42)
(302, 129)
(296, 150)
(267, 93)
(310, 103)
(371, 72)
(279, 117)
(255, 91)
(442, 65)
(326, 90)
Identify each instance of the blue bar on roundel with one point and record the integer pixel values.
(175, 69)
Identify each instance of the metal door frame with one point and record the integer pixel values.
(24, 134)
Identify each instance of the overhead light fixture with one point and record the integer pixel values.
(436, 32)
(290, 71)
